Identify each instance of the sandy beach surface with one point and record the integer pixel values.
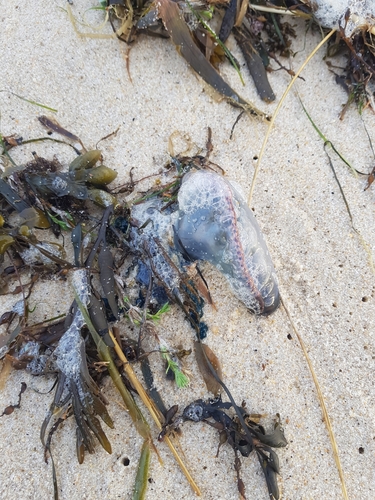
(322, 264)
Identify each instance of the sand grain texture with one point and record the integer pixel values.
(322, 267)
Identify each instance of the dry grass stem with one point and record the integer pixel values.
(326, 418)
(153, 412)
(325, 39)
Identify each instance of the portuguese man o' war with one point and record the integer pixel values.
(216, 225)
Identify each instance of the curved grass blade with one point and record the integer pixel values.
(74, 22)
(323, 407)
(282, 10)
(270, 126)
(218, 40)
(328, 143)
(47, 450)
(30, 141)
(54, 476)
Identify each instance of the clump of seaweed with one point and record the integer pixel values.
(74, 381)
(357, 76)
(199, 30)
(244, 435)
(142, 238)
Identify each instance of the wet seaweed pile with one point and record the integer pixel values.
(264, 33)
(357, 75)
(129, 261)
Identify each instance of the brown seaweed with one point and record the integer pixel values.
(255, 64)
(52, 124)
(80, 361)
(174, 22)
(211, 382)
(229, 20)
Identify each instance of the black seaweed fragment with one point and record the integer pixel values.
(10, 409)
(243, 440)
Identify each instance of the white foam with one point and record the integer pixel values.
(32, 255)
(80, 282)
(71, 345)
(19, 307)
(68, 353)
(331, 14)
(59, 184)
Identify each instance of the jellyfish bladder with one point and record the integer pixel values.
(216, 225)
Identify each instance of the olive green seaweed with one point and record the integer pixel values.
(85, 161)
(105, 355)
(142, 473)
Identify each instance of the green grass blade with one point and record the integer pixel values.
(327, 142)
(141, 479)
(218, 41)
(30, 101)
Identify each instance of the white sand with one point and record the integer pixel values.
(322, 266)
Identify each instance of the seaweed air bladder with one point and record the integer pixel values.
(216, 225)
